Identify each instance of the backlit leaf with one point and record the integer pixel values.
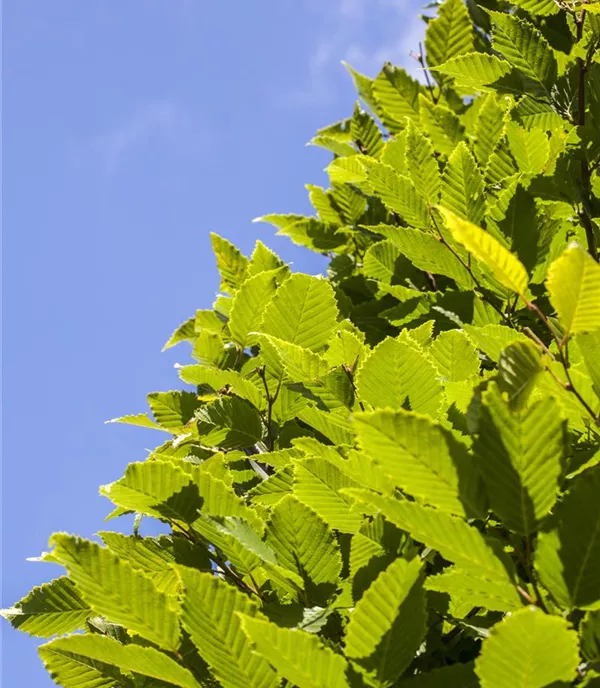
(574, 287)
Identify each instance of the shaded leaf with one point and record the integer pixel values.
(568, 554)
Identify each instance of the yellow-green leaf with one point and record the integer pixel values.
(574, 287)
(505, 267)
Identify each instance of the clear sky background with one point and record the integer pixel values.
(131, 129)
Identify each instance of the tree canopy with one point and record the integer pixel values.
(388, 475)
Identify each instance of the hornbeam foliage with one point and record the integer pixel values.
(388, 475)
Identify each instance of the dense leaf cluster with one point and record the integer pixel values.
(389, 476)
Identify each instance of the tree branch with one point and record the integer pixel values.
(584, 213)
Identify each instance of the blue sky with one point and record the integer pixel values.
(132, 129)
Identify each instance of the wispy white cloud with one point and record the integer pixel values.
(163, 122)
(364, 33)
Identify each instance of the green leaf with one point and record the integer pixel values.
(454, 355)
(395, 372)
(422, 458)
(454, 539)
(450, 34)
(208, 320)
(530, 148)
(493, 339)
(270, 491)
(388, 623)
(53, 608)
(78, 671)
(490, 127)
(232, 265)
(155, 488)
(298, 656)
(574, 287)
(396, 192)
(590, 636)
(156, 557)
(249, 304)
(323, 203)
(317, 483)
(394, 151)
(230, 423)
(308, 231)
(568, 555)
(365, 133)
(302, 365)
(141, 420)
(304, 544)
(114, 589)
(351, 205)
(501, 165)
(209, 613)
(65, 657)
(335, 425)
(263, 260)
(208, 349)
(532, 112)
(541, 8)
(521, 456)
(524, 47)
(427, 253)
(349, 170)
(492, 594)
(173, 410)
(397, 95)
(589, 345)
(462, 186)
(185, 332)
(518, 369)
(364, 87)
(505, 267)
(303, 312)
(441, 124)
(474, 70)
(421, 164)
(380, 261)
(528, 649)
(176, 492)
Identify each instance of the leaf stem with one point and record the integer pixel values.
(270, 402)
(421, 61)
(531, 572)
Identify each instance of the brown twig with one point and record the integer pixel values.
(270, 402)
(531, 571)
(421, 60)
(350, 375)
